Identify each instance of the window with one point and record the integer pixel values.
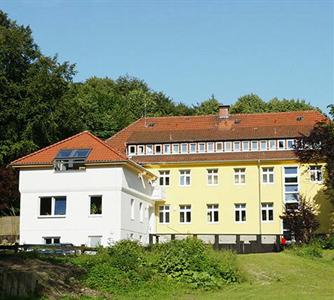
(272, 145)
(290, 144)
(185, 214)
(228, 146)
(210, 146)
(267, 211)
(263, 145)
(291, 187)
(132, 150)
(164, 214)
(219, 147)
(95, 205)
(239, 176)
(184, 148)
(267, 175)
(176, 148)
(141, 212)
(132, 209)
(140, 149)
(245, 146)
(51, 240)
(240, 212)
(52, 206)
(158, 149)
(192, 148)
(255, 145)
(164, 178)
(94, 240)
(212, 176)
(281, 144)
(149, 149)
(201, 147)
(236, 146)
(213, 213)
(166, 148)
(316, 174)
(185, 177)
(70, 159)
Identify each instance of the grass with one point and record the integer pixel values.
(270, 276)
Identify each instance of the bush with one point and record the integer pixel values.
(192, 262)
(328, 243)
(312, 250)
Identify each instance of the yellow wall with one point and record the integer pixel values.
(226, 194)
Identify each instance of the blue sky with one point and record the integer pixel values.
(192, 49)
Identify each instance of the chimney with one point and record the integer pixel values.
(223, 111)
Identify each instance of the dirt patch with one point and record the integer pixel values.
(42, 278)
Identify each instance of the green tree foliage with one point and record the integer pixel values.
(317, 147)
(207, 107)
(301, 221)
(277, 105)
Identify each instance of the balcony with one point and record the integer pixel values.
(159, 193)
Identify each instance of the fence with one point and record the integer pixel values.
(240, 243)
(9, 229)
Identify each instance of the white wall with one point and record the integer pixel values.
(111, 183)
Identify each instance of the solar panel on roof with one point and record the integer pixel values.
(72, 153)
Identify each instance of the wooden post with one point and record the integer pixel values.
(172, 237)
(150, 239)
(237, 241)
(216, 244)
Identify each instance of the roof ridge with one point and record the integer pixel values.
(49, 147)
(107, 145)
(278, 112)
(118, 132)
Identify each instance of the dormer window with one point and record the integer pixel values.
(71, 159)
(132, 150)
(158, 149)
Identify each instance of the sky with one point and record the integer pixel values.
(192, 49)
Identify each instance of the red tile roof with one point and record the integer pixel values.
(211, 128)
(100, 151)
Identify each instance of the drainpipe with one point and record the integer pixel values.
(260, 194)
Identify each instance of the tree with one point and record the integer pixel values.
(277, 105)
(318, 147)
(9, 192)
(249, 104)
(301, 221)
(207, 107)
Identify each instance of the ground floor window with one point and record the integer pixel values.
(185, 214)
(240, 212)
(51, 240)
(95, 240)
(213, 213)
(267, 211)
(164, 214)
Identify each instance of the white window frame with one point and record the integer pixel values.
(185, 209)
(149, 149)
(291, 183)
(239, 208)
(165, 147)
(265, 144)
(210, 146)
(314, 171)
(184, 148)
(191, 149)
(255, 143)
(266, 172)
(140, 152)
(90, 205)
(272, 145)
(235, 147)
(278, 145)
(228, 146)
(212, 213)
(164, 210)
(288, 147)
(132, 147)
(94, 236)
(174, 150)
(52, 239)
(155, 149)
(266, 207)
(53, 207)
(243, 146)
(200, 145)
(185, 174)
(163, 176)
(212, 176)
(221, 145)
(132, 208)
(239, 173)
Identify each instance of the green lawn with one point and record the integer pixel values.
(280, 276)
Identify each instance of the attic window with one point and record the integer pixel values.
(300, 118)
(70, 159)
(151, 124)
